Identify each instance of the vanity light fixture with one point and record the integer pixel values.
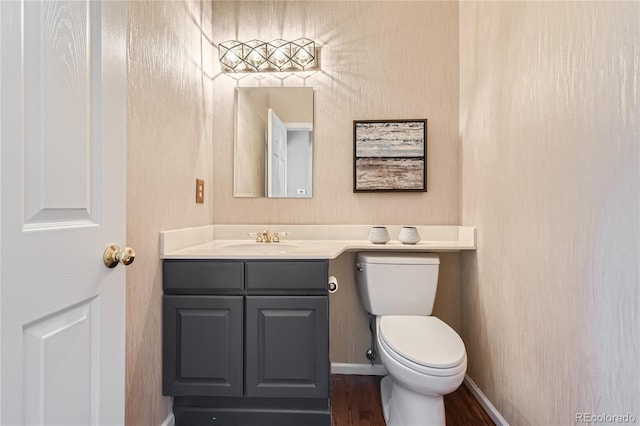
(260, 56)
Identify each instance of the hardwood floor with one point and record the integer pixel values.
(355, 401)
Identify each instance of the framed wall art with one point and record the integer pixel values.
(389, 155)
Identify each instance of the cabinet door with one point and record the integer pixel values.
(202, 345)
(287, 347)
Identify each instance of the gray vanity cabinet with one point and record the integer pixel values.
(247, 342)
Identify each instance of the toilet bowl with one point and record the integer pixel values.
(420, 373)
(425, 358)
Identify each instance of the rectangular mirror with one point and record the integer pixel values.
(273, 151)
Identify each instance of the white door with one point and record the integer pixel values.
(277, 155)
(62, 185)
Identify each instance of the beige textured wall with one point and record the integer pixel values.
(379, 60)
(550, 130)
(169, 145)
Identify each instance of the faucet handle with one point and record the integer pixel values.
(258, 235)
(277, 235)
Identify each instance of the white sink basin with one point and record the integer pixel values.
(260, 247)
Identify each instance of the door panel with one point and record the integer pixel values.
(287, 348)
(61, 114)
(54, 351)
(62, 153)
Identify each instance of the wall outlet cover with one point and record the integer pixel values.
(199, 191)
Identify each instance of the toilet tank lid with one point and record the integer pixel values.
(399, 258)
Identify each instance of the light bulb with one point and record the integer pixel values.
(232, 57)
(278, 55)
(255, 56)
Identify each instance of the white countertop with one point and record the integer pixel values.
(304, 241)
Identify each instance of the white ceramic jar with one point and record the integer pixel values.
(409, 235)
(379, 235)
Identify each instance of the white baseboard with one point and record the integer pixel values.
(169, 421)
(484, 402)
(360, 369)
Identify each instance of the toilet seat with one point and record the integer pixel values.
(423, 343)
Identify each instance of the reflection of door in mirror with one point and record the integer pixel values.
(277, 156)
(260, 168)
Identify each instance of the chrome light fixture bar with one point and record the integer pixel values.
(260, 56)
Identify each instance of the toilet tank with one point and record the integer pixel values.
(397, 283)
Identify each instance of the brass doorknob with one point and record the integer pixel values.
(113, 255)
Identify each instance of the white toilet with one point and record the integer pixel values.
(425, 358)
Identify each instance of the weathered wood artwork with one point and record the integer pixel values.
(390, 155)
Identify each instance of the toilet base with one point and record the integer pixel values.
(385, 396)
(403, 407)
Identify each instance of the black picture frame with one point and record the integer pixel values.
(390, 155)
